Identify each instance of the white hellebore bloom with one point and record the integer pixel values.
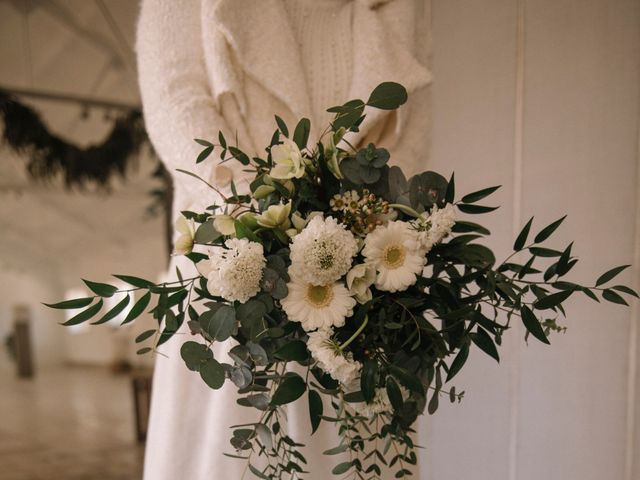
(317, 306)
(234, 272)
(340, 365)
(225, 224)
(359, 279)
(435, 225)
(184, 243)
(287, 159)
(395, 252)
(276, 216)
(323, 251)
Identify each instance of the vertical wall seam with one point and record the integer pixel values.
(632, 464)
(518, 135)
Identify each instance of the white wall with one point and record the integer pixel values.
(543, 98)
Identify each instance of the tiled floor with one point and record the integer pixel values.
(68, 424)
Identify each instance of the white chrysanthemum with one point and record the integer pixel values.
(234, 272)
(380, 402)
(394, 250)
(323, 251)
(317, 306)
(434, 226)
(340, 365)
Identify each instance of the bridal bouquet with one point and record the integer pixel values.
(342, 283)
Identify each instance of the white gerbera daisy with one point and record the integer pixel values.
(395, 252)
(317, 306)
(432, 227)
(323, 251)
(340, 365)
(234, 272)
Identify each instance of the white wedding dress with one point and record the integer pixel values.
(189, 425)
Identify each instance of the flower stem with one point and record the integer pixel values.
(357, 332)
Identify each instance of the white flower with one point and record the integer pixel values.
(276, 216)
(317, 306)
(225, 224)
(323, 251)
(435, 226)
(234, 272)
(287, 159)
(184, 243)
(380, 403)
(359, 279)
(340, 365)
(394, 250)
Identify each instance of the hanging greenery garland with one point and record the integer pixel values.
(49, 155)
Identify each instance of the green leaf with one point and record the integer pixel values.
(143, 350)
(627, 290)
(544, 252)
(71, 304)
(336, 450)
(552, 301)
(532, 324)
(465, 227)
(547, 231)
(458, 362)
(282, 126)
(84, 315)
(342, 468)
(204, 143)
(613, 297)
(395, 395)
(206, 233)
(315, 410)
(144, 335)
(388, 96)
(522, 236)
(479, 195)
(483, 341)
(301, 133)
(195, 354)
(369, 380)
(135, 281)
(407, 379)
(101, 289)
(204, 154)
(242, 231)
(115, 311)
(240, 155)
(138, 308)
(475, 209)
(212, 373)
(291, 388)
(609, 275)
(219, 323)
(450, 194)
(295, 350)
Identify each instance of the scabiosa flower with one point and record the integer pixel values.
(434, 226)
(317, 306)
(323, 251)
(340, 365)
(234, 272)
(395, 252)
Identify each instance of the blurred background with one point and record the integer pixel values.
(540, 96)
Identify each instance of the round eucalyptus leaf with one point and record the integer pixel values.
(195, 354)
(212, 373)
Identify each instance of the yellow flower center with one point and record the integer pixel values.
(393, 256)
(319, 295)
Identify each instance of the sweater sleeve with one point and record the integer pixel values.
(176, 94)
